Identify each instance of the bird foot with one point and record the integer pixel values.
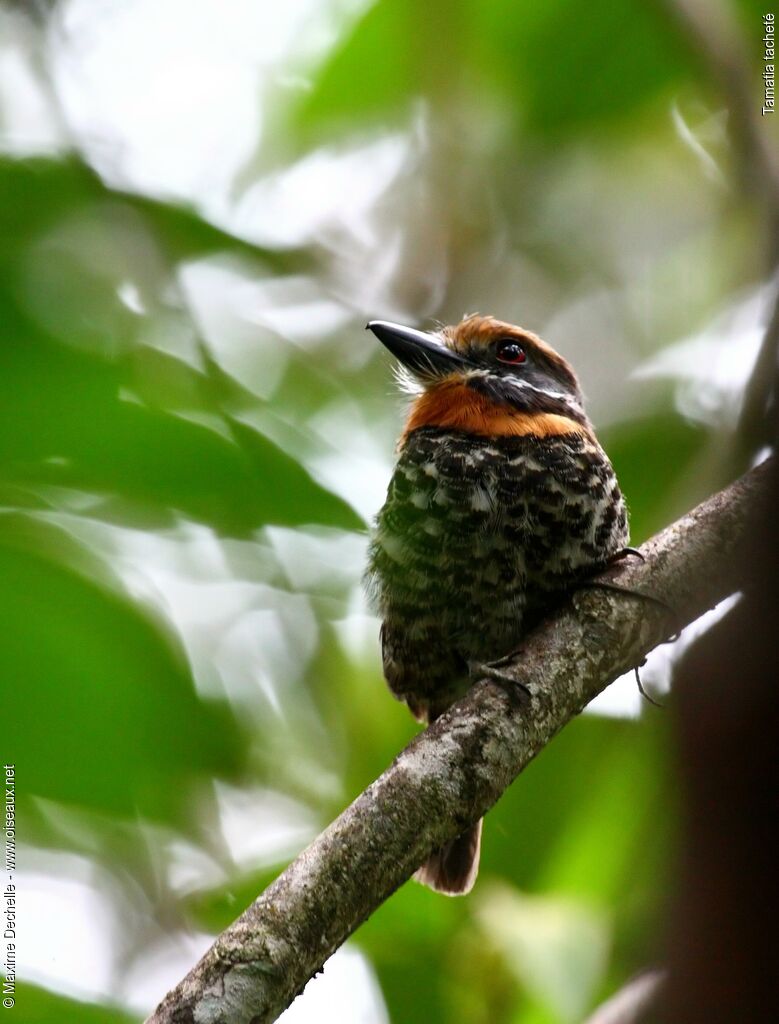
(618, 557)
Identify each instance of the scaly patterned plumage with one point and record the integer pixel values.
(501, 501)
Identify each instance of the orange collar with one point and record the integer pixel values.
(455, 406)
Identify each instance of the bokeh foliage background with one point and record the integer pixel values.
(200, 206)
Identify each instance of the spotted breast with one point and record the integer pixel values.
(478, 538)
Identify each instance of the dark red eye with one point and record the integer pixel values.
(511, 352)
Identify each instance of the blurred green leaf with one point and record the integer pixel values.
(573, 70)
(37, 1005)
(36, 192)
(652, 457)
(101, 424)
(558, 69)
(142, 453)
(409, 940)
(105, 714)
(391, 56)
(557, 947)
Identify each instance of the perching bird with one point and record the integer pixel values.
(501, 502)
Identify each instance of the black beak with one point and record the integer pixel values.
(420, 352)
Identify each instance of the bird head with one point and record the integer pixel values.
(486, 377)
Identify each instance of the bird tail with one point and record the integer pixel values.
(452, 869)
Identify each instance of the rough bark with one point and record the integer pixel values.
(452, 773)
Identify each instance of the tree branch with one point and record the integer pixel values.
(452, 773)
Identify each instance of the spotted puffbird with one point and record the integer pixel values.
(501, 501)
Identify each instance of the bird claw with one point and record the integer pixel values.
(481, 669)
(625, 552)
(641, 689)
(505, 660)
